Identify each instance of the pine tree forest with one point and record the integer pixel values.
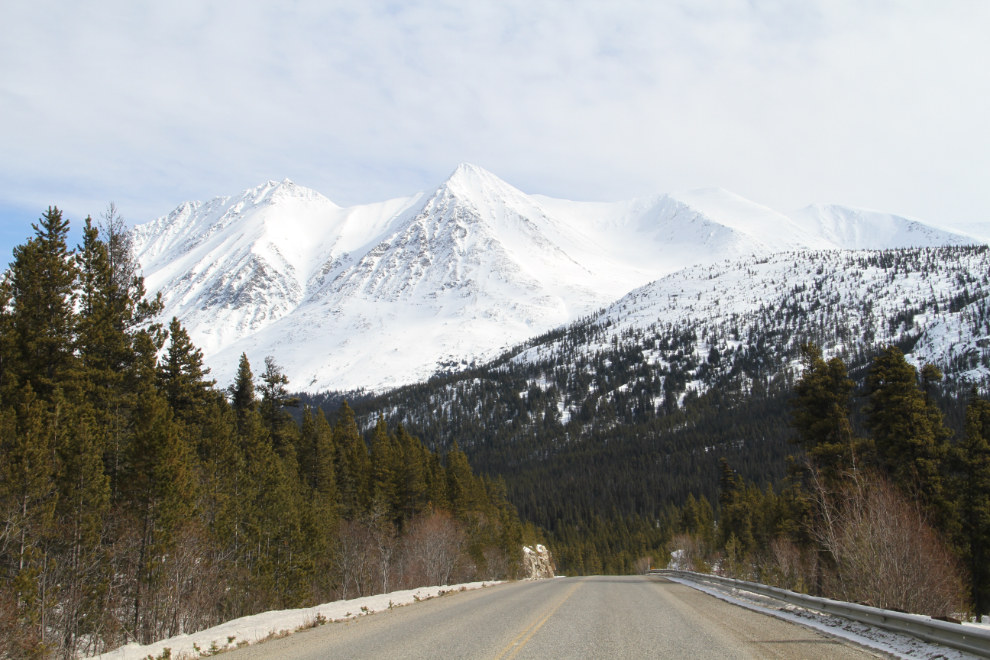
(139, 499)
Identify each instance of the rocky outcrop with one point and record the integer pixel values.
(538, 562)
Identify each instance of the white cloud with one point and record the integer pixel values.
(878, 104)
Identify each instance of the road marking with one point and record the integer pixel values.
(515, 646)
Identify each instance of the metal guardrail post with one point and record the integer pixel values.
(953, 635)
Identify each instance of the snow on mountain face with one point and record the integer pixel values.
(234, 265)
(935, 302)
(384, 294)
(862, 229)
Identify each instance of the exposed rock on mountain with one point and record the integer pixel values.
(385, 294)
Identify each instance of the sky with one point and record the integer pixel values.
(880, 104)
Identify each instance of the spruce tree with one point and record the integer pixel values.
(462, 491)
(412, 473)
(353, 465)
(183, 376)
(909, 436)
(28, 497)
(386, 469)
(104, 347)
(80, 519)
(820, 415)
(42, 279)
(159, 482)
(275, 399)
(221, 462)
(324, 452)
(971, 495)
(242, 395)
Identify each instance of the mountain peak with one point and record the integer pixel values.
(470, 180)
(274, 192)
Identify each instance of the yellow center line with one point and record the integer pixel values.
(515, 646)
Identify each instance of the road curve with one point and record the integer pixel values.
(629, 617)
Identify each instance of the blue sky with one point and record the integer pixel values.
(876, 104)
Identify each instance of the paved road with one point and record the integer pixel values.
(628, 617)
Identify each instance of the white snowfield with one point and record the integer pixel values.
(385, 294)
(255, 628)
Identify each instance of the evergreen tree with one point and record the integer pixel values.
(111, 307)
(353, 465)
(28, 496)
(274, 400)
(160, 482)
(183, 376)
(436, 483)
(909, 436)
(386, 470)
(221, 465)
(412, 473)
(80, 515)
(270, 519)
(735, 526)
(971, 489)
(241, 392)
(317, 453)
(727, 484)
(821, 415)
(461, 488)
(42, 278)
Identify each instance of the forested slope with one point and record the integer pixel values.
(138, 500)
(625, 413)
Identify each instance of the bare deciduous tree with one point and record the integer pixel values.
(434, 549)
(885, 553)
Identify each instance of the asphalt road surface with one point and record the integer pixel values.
(589, 617)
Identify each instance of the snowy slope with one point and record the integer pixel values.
(234, 265)
(862, 229)
(937, 301)
(385, 294)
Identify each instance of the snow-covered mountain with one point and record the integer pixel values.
(384, 294)
(845, 300)
(862, 229)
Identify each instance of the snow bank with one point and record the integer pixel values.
(252, 629)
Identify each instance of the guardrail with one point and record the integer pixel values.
(964, 638)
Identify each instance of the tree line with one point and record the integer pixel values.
(138, 500)
(892, 512)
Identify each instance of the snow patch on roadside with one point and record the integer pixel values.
(258, 627)
(897, 645)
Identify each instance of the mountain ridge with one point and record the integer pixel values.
(379, 295)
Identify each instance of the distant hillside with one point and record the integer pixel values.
(630, 409)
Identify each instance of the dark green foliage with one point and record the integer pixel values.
(42, 278)
(138, 502)
(183, 377)
(907, 429)
(822, 408)
(242, 395)
(274, 401)
(970, 484)
(352, 464)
